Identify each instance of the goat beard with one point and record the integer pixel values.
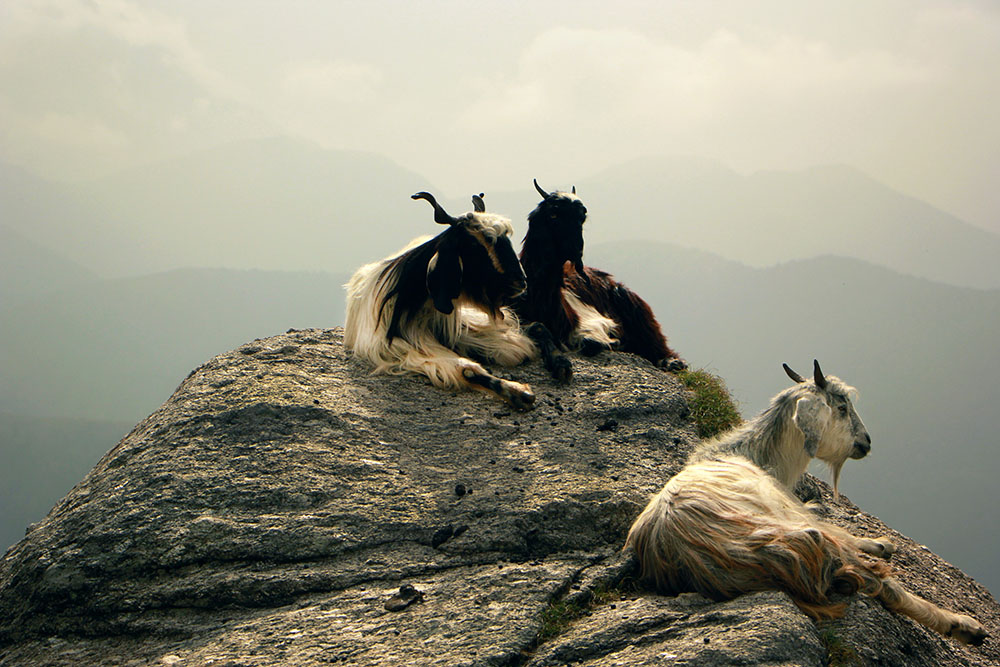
(835, 468)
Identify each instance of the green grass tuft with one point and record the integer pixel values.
(838, 652)
(712, 408)
(558, 616)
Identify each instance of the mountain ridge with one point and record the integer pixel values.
(281, 203)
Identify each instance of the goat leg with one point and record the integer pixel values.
(556, 363)
(959, 626)
(591, 348)
(518, 396)
(880, 548)
(672, 364)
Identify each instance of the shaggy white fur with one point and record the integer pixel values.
(728, 522)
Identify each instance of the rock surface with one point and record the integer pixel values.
(286, 507)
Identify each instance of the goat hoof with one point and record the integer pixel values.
(561, 369)
(591, 348)
(888, 548)
(673, 364)
(967, 630)
(518, 396)
(880, 548)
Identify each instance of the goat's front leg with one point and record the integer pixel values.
(518, 396)
(447, 369)
(672, 364)
(880, 547)
(556, 363)
(591, 348)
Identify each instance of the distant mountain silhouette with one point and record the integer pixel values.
(68, 220)
(112, 349)
(28, 269)
(283, 204)
(274, 204)
(771, 217)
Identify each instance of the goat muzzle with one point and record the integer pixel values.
(861, 450)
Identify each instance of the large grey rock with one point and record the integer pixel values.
(271, 510)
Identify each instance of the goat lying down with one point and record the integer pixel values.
(577, 306)
(439, 301)
(728, 523)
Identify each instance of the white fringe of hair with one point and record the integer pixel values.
(433, 343)
(593, 324)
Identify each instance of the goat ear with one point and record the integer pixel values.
(444, 277)
(811, 417)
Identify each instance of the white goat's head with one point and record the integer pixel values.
(825, 415)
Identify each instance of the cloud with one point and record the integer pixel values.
(121, 20)
(594, 74)
(594, 96)
(105, 84)
(332, 82)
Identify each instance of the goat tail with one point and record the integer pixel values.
(698, 534)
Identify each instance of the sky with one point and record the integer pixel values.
(488, 95)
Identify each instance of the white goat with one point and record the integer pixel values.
(441, 299)
(728, 523)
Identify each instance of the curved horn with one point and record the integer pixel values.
(540, 191)
(478, 204)
(792, 374)
(440, 215)
(818, 375)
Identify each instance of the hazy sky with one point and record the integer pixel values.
(477, 95)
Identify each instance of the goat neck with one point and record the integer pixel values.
(769, 440)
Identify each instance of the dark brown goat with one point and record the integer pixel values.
(569, 305)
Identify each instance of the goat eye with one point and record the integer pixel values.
(843, 409)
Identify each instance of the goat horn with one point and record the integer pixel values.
(440, 215)
(540, 191)
(574, 189)
(818, 375)
(792, 374)
(478, 204)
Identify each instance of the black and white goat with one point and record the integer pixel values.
(441, 300)
(728, 523)
(570, 305)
